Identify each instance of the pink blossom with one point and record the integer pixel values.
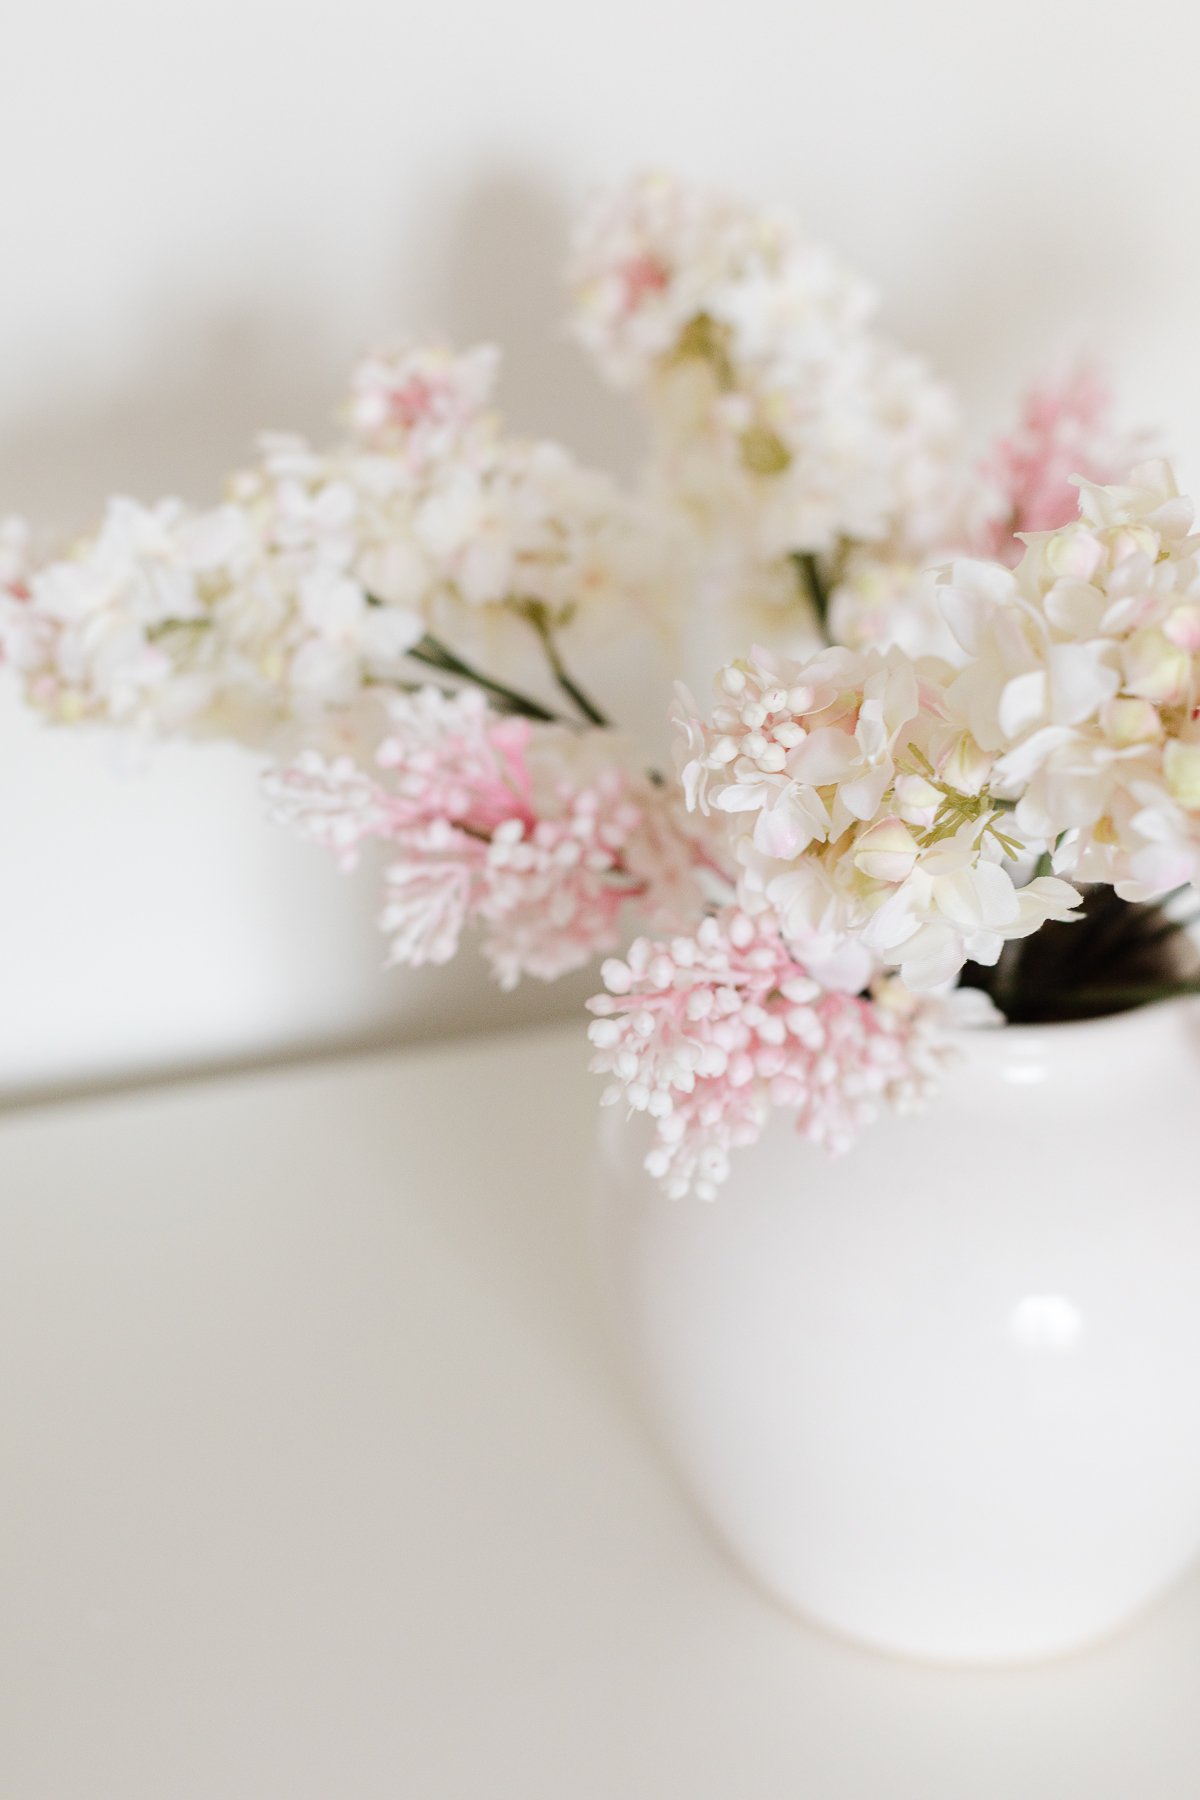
(429, 894)
(707, 1033)
(554, 889)
(331, 802)
(420, 401)
(451, 757)
(1065, 428)
(23, 634)
(642, 275)
(534, 835)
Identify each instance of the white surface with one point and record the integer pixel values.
(317, 1483)
(940, 1394)
(151, 917)
(210, 205)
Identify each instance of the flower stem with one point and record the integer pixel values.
(808, 569)
(435, 655)
(536, 613)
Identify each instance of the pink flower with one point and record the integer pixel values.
(419, 402)
(536, 836)
(429, 894)
(331, 802)
(1065, 429)
(554, 890)
(707, 1033)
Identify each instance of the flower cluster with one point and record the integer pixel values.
(708, 1033)
(782, 414)
(1082, 683)
(887, 594)
(1065, 429)
(863, 817)
(1007, 697)
(324, 570)
(523, 832)
(423, 403)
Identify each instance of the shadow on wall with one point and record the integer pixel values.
(500, 280)
(1012, 282)
(205, 387)
(485, 263)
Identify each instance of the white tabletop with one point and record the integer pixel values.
(318, 1486)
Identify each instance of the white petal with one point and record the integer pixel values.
(1023, 703)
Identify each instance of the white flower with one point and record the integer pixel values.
(643, 260)
(119, 628)
(960, 905)
(325, 568)
(780, 416)
(1083, 673)
(808, 750)
(862, 817)
(419, 402)
(883, 599)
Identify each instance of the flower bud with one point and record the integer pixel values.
(1127, 721)
(916, 797)
(967, 767)
(886, 852)
(1074, 552)
(1181, 764)
(1182, 627)
(1133, 540)
(1154, 668)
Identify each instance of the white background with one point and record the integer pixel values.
(208, 209)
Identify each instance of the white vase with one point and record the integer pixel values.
(942, 1394)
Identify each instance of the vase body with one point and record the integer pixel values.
(942, 1395)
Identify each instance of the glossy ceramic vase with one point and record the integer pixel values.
(942, 1395)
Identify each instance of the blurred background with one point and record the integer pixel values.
(210, 209)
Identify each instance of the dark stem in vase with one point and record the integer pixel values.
(1120, 955)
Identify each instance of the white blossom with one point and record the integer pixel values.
(863, 817)
(1082, 678)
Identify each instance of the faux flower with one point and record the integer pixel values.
(119, 630)
(1065, 429)
(780, 414)
(966, 697)
(887, 594)
(863, 817)
(1082, 681)
(707, 1033)
(883, 600)
(525, 833)
(423, 402)
(325, 570)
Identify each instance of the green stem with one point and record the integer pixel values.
(538, 617)
(808, 569)
(434, 655)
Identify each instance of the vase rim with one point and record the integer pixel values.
(1130, 1020)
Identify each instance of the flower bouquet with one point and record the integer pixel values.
(949, 774)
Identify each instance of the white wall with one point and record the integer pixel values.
(210, 205)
